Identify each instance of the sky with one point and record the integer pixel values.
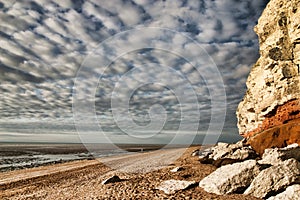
(131, 71)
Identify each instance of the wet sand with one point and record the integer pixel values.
(82, 179)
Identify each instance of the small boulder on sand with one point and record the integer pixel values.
(230, 178)
(224, 153)
(176, 169)
(112, 179)
(274, 156)
(172, 186)
(274, 179)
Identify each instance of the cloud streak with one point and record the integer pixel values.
(44, 43)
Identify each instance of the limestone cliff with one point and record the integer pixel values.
(268, 114)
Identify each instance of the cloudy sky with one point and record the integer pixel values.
(135, 70)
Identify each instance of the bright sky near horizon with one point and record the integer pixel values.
(46, 44)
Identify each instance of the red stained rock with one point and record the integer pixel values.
(279, 116)
(278, 136)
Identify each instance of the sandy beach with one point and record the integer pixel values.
(82, 179)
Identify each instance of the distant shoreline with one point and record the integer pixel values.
(140, 175)
(15, 156)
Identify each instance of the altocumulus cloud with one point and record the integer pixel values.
(43, 44)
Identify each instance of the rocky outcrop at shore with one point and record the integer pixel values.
(223, 154)
(274, 178)
(231, 178)
(269, 115)
(274, 174)
(278, 155)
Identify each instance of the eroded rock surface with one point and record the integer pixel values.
(238, 152)
(225, 153)
(291, 193)
(279, 136)
(278, 169)
(274, 179)
(221, 150)
(276, 156)
(231, 178)
(272, 102)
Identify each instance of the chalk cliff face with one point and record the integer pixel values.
(269, 114)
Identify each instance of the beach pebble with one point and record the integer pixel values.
(232, 151)
(112, 179)
(172, 186)
(176, 169)
(196, 152)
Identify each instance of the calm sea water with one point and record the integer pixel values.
(19, 156)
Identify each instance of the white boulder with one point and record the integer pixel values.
(231, 178)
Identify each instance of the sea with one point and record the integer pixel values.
(15, 156)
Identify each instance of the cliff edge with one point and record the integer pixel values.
(269, 114)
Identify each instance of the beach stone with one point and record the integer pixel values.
(196, 152)
(224, 153)
(231, 178)
(243, 154)
(176, 169)
(291, 193)
(269, 114)
(204, 156)
(112, 179)
(205, 153)
(206, 160)
(278, 155)
(221, 150)
(274, 179)
(172, 186)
